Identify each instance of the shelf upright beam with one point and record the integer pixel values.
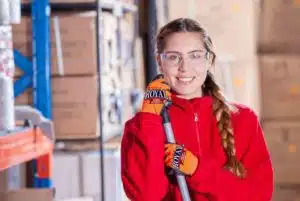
(40, 11)
(41, 56)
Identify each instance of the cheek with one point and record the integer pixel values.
(200, 72)
(169, 73)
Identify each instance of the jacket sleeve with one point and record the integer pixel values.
(222, 185)
(142, 158)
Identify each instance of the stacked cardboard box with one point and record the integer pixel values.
(13, 178)
(28, 194)
(74, 73)
(232, 27)
(81, 172)
(280, 79)
(279, 26)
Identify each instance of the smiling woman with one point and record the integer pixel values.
(220, 146)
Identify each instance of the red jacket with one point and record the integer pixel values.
(142, 155)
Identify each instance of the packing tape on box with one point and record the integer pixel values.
(58, 43)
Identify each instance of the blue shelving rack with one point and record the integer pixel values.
(37, 75)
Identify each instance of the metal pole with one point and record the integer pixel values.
(99, 37)
(171, 139)
(152, 28)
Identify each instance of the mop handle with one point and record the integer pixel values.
(170, 138)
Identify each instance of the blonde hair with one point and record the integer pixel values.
(222, 109)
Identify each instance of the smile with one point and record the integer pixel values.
(185, 80)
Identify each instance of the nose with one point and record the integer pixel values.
(183, 66)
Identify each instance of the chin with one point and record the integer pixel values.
(188, 93)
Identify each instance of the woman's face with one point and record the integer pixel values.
(184, 63)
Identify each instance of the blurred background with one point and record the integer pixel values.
(82, 67)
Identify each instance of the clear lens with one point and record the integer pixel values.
(171, 59)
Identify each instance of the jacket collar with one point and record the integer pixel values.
(200, 103)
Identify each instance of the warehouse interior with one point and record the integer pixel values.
(73, 72)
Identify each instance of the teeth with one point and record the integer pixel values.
(186, 79)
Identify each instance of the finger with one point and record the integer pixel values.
(169, 150)
(168, 161)
(160, 83)
(168, 153)
(168, 146)
(159, 76)
(165, 83)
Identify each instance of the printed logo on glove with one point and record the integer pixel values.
(181, 160)
(157, 93)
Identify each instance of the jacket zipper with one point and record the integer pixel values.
(196, 120)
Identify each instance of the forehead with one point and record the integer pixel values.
(184, 42)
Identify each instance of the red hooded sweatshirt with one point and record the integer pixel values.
(194, 125)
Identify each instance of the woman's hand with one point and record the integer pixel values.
(157, 93)
(180, 159)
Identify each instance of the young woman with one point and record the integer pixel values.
(223, 154)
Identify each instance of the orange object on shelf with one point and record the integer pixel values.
(22, 146)
(44, 166)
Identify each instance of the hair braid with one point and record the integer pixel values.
(222, 111)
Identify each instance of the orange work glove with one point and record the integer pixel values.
(180, 159)
(157, 93)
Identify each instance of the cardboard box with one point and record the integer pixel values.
(78, 199)
(81, 175)
(230, 24)
(286, 192)
(66, 175)
(28, 195)
(75, 112)
(112, 175)
(73, 43)
(283, 141)
(279, 30)
(280, 78)
(13, 178)
(239, 80)
(74, 106)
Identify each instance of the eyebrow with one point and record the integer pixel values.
(188, 52)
